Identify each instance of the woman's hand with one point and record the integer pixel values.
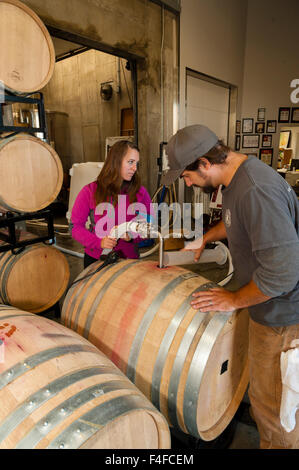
(126, 237)
(108, 242)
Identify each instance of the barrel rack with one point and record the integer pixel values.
(11, 239)
(9, 219)
(9, 231)
(10, 98)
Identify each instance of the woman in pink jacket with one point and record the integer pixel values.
(100, 202)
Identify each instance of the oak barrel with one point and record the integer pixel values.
(31, 173)
(35, 279)
(193, 366)
(27, 55)
(59, 391)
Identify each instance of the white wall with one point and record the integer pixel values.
(271, 59)
(212, 42)
(252, 44)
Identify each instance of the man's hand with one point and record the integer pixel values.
(223, 300)
(197, 251)
(216, 233)
(217, 298)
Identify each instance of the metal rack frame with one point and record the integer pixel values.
(10, 97)
(12, 243)
(8, 220)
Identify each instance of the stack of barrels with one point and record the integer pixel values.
(58, 390)
(31, 172)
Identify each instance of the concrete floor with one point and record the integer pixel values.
(242, 432)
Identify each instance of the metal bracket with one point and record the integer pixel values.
(10, 97)
(12, 237)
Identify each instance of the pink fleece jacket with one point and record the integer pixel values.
(84, 206)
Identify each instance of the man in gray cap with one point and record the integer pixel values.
(260, 220)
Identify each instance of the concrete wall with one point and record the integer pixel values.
(131, 26)
(271, 59)
(75, 89)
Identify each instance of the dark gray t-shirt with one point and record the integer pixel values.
(261, 216)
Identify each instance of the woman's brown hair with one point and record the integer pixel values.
(109, 182)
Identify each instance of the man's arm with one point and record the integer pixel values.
(276, 274)
(223, 300)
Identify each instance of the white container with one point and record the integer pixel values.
(81, 174)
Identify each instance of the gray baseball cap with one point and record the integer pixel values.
(186, 146)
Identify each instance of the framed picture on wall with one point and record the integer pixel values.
(284, 139)
(238, 127)
(284, 114)
(271, 127)
(267, 140)
(261, 112)
(247, 126)
(295, 115)
(266, 156)
(259, 127)
(237, 143)
(251, 141)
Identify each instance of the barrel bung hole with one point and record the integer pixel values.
(224, 367)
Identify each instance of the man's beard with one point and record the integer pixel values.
(206, 189)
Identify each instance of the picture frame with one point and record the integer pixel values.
(284, 139)
(266, 156)
(267, 140)
(251, 141)
(247, 125)
(238, 127)
(271, 126)
(259, 127)
(237, 142)
(284, 114)
(261, 112)
(295, 115)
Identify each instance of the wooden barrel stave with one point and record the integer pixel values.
(27, 55)
(61, 392)
(232, 332)
(31, 173)
(140, 317)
